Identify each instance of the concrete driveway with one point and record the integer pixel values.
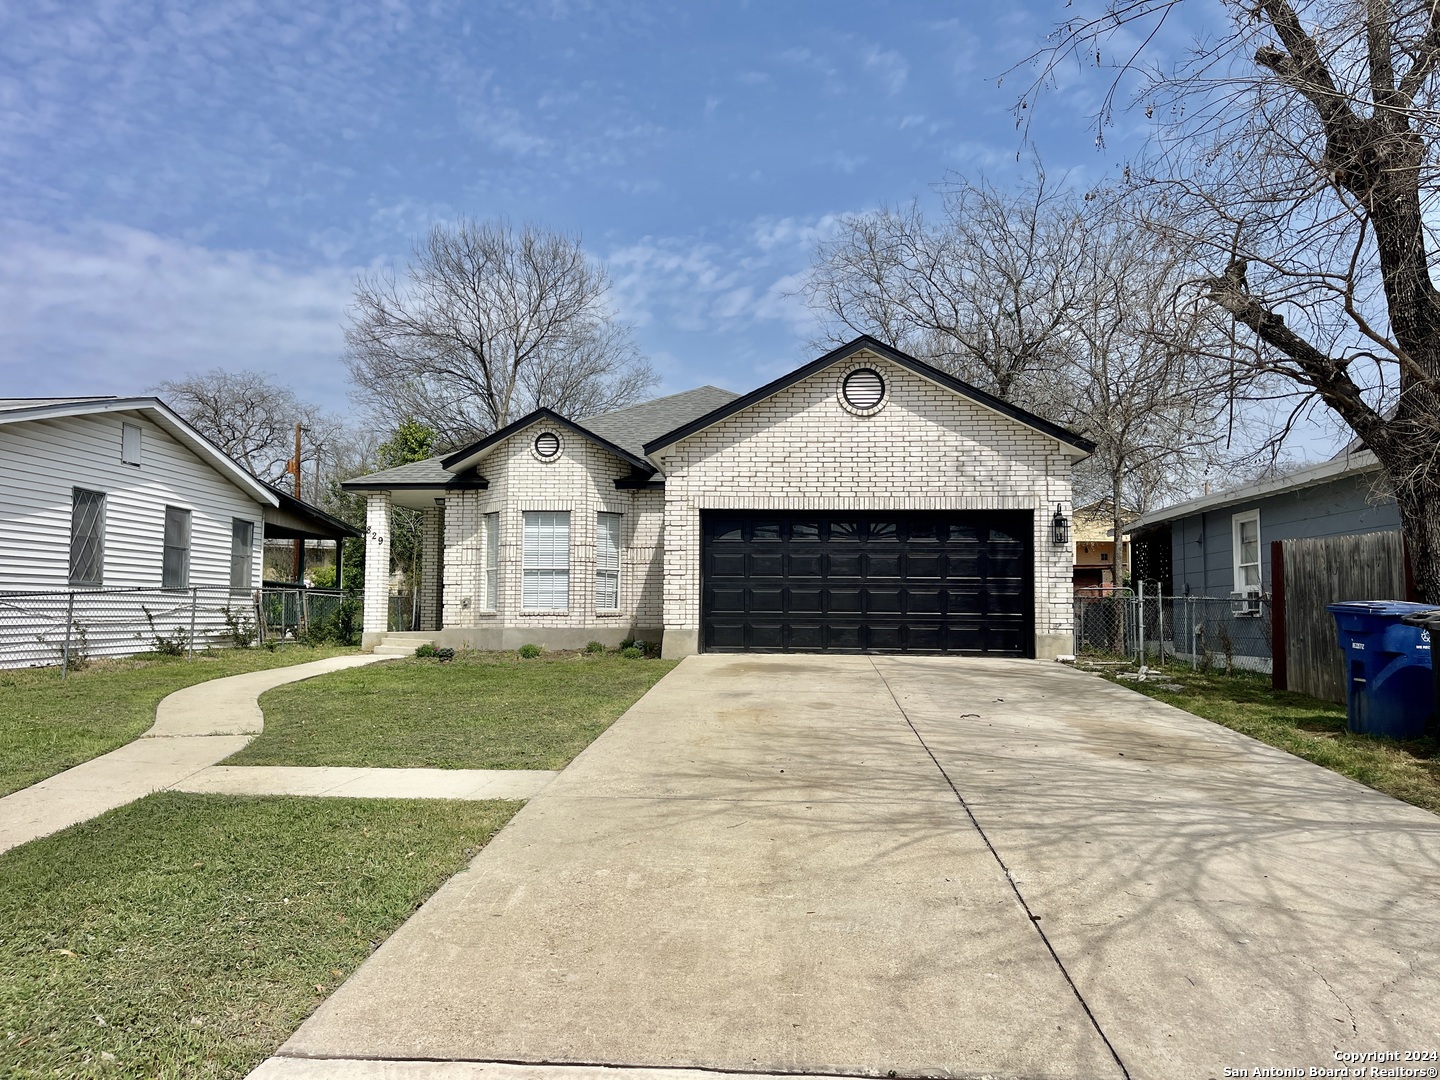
(916, 867)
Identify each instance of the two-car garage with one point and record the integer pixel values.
(906, 581)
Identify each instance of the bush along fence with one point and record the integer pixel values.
(1150, 627)
(69, 628)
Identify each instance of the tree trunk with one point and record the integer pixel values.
(1419, 503)
(1118, 483)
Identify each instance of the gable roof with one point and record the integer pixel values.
(470, 455)
(866, 343)
(16, 410)
(1336, 468)
(633, 426)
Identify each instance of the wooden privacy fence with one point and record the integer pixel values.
(1305, 576)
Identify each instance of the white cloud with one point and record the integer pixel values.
(105, 308)
(888, 66)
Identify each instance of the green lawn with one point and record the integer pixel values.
(1306, 727)
(189, 935)
(46, 726)
(480, 711)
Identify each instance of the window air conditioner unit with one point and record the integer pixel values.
(1245, 605)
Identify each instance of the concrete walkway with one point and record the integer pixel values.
(194, 728)
(916, 868)
(352, 783)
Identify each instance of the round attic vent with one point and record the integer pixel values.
(863, 389)
(547, 445)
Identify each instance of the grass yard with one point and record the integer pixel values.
(47, 726)
(1307, 728)
(189, 935)
(479, 711)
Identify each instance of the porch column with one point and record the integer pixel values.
(378, 516)
(432, 566)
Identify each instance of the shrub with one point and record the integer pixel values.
(628, 643)
(240, 628)
(425, 650)
(174, 644)
(530, 652)
(632, 652)
(444, 655)
(594, 648)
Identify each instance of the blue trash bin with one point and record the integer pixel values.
(1388, 685)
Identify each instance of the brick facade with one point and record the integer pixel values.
(581, 481)
(927, 449)
(924, 447)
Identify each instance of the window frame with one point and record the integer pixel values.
(490, 598)
(126, 458)
(98, 536)
(166, 582)
(1237, 566)
(235, 525)
(538, 565)
(608, 573)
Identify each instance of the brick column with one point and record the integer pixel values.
(432, 566)
(378, 516)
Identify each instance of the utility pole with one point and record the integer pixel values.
(293, 467)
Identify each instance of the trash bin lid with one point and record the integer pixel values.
(1378, 607)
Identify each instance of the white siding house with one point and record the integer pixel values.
(104, 499)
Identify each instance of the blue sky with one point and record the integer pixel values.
(189, 186)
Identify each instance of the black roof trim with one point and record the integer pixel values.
(292, 504)
(867, 343)
(465, 481)
(639, 483)
(555, 418)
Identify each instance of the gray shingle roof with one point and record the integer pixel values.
(631, 428)
(423, 473)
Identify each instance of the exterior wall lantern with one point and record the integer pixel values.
(1059, 528)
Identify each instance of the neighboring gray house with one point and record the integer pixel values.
(119, 503)
(1219, 545)
(864, 502)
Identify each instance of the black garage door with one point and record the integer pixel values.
(936, 582)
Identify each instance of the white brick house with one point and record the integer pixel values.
(864, 502)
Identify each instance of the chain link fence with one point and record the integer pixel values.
(69, 627)
(1206, 632)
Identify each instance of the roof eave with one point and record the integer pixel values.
(473, 453)
(1360, 462)
(173, 423)
(865, 343)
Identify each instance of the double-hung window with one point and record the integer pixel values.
(607, 562)
(546, 564)
(175, 569)
(1246, 545)
(87, 537)
(490, 601)
(242, 552)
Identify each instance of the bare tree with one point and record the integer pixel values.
(982, 292)
(1052, 302)
(1296, 154)
(489, 323)
(252, 417)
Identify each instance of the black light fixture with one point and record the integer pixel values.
(1059, 528)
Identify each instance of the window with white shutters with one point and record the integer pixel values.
(87, 537)
(489, 602)
(607, 562)
(546, 582)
